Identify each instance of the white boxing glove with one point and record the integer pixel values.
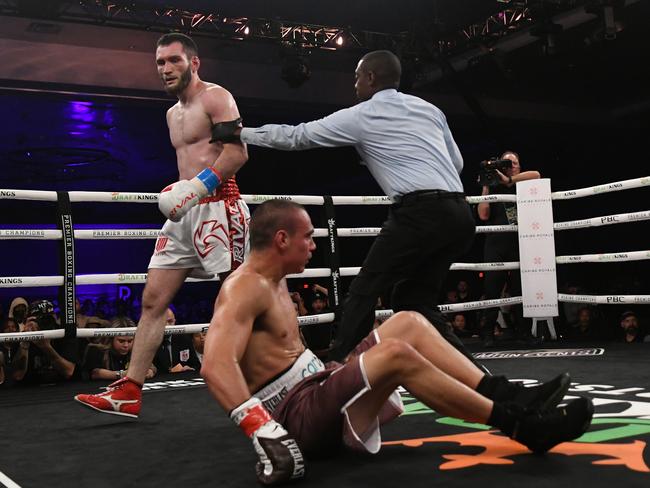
(178, 198)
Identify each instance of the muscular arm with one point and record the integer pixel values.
(220, 106)
(341, 128)
(241, 300)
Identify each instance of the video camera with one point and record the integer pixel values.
(487, 175)
(43, 313)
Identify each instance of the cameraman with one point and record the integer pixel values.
(44, 361)
(502, 246)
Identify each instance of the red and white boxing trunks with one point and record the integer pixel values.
(211, 239)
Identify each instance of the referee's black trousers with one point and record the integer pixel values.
(424, 233)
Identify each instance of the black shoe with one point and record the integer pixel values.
(540, 432)
(541, 397)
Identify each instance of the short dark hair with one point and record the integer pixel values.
(386, 67)
(189, 46)
(627, 314)
(270, 217)
(505, 153)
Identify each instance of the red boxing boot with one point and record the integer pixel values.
(124, 397)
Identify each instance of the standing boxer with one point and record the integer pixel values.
(207, 230)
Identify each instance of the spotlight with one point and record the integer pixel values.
(247, 30)
(339, 41)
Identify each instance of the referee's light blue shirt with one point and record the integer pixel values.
(404, 140)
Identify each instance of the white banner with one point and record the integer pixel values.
(537, 248)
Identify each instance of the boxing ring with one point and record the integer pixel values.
(182, 437)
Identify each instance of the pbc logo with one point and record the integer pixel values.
(207, 236)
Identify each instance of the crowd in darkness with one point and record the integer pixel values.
(47, 361)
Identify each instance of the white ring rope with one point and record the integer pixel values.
(140, 278)
(104, 234)
(94, 196)
(326, 317)
(78, 196)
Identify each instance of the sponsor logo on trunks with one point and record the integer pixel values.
(208, 235)
(237, 226)
(161, 243)
(617, 439)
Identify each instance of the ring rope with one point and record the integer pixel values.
(316, 272)
(326, 317)
(140, 278)
(105, 234)
(93, 196)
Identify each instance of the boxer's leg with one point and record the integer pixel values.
(161, 287)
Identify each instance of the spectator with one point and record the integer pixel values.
(190, 357)
(18, 312)
(630, 328)
(320, 300)
(109, 360)
(44, 361)
(298, 303)
(586, 327)
(463, 292)
(503, 246)
(164, 358)
(459, 323)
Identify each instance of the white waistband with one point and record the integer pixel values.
(306, 365)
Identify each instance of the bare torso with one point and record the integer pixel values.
(190, 129)
(275, 342)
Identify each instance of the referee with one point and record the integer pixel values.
(406, 144)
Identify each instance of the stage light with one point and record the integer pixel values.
(339, 41)
(247, 30)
